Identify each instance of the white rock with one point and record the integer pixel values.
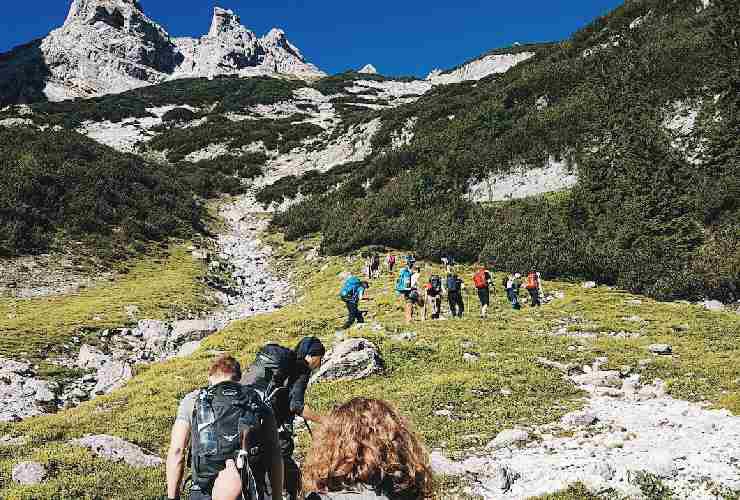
(508, 437)
(579, 419)
(351, 359)
(660, 348)
(28, 473)
(118, 450)
(588, 284)
(712, 305)
(480, 68)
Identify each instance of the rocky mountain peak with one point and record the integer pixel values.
(109, 46)
(224, 20)
(368, 69)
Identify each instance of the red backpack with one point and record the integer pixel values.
(479, 279)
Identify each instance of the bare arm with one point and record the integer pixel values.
(176, 457)
(272, 450)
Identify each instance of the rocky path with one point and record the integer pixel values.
(252, 289)
(627, 436)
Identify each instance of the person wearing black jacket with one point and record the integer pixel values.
(282, 375)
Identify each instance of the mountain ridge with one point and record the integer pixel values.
(109, 46)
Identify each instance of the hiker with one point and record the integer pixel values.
(482, 281)
(448, 261)
(282, 374)
(433, 297)
(533, 287)
(352, 292)
(390, 262)
(404, 289)
(215, 462)
(454, 286)
(367, 451)
(374, 266)
(512, 290)
(410, 261)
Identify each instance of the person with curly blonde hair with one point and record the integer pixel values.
(366, 450)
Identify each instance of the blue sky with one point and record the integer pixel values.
(400, 37)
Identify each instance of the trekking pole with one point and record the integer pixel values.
(308, 428)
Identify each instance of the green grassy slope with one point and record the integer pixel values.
(422, 375)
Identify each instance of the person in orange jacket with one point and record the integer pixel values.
(533, 287)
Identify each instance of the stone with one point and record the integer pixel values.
(470, 357)
(188, 348)
(507, 438)
(132, 311)
(91, 358)
(660, 349)
(588, 284)
(443, 413)
(605, 470)
(350, 359)
(662, 464)
(712, 305)
(118, 450)
(28, 473)
(112, 375)
(578, 419)
(42, 391)
(567, 368)
(599, 379)
(500, 478)
(404, 337)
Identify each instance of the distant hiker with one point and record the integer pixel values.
(448, 262)
(390, 262)
(367, 451)
(282, 374)
(403, 288)
(512, 290)
(454, 286)
(352, 292)
(410, 261)
(241, 432)
(533, 287)
(482, 281)
(374, 266)
(433, 297)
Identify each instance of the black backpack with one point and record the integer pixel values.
(453, 283)
(274, 364)
(227, 417)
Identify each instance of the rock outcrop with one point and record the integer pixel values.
(479, 69)
(109, 46)
(351, 359)
(21, 394)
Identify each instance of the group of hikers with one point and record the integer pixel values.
(428, 296)
(239, 435)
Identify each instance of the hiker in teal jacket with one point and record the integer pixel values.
(352, 292)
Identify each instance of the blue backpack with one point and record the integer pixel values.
(349, 288)
(403, 283)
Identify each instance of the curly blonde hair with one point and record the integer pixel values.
(366, 441)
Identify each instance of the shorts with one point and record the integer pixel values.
(199, 495)
(484, 295)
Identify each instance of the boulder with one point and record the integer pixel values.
(118, 450)
(500, 477)
(471, 357)
(188, 349)
(28, 473)
(91, 358)
(609, 378)
(350, 359)
(660, 348)
(508, 437)
(578, 419)
(588, 284)
(112, 375)
(712, 305)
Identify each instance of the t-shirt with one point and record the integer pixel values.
(186, 407)
(414, 280)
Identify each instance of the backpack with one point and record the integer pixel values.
(227, 417)
(349, 288)
(391, 259)
(403, 283)
(533, 283)
(436, 283)
(375, 261)
(479, 279)
(453, 283)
